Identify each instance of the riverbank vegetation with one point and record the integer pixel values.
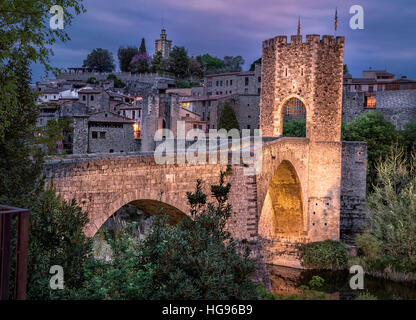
(388, 244)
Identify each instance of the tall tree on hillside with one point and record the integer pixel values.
(124, 57)
(142, 49)
(195, 68)
(100, 59)
(228, 119)
(179, 62)
(158, 63)
(233, 63)
(210, 64)
(253, 65)
(140, 63)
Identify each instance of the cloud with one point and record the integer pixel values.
(237, 27)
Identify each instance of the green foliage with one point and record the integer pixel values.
(52, 133)
(365, 296)
(182, 84)
(253, 65)
(179, 62)
(100, 59)
(379, 134)
(92, 80)
(328, 254)
(305, 293)
(407, 137)
(195, 68)
(346, 69)
(26, 38)
(294, 128)
(117, 82)
(228, 119)
(389, 241)
(316, 282)
(210, 64)
(233, 63)
(21, 160)
(124, 57)
(158, 63)
(56, 238)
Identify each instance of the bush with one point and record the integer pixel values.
(294, 128)
(56, 238)
(408, 137)
(228, 119)
(328, 254)
(380, 135)
(390, 239)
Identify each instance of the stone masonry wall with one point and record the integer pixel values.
(353, 189)
(396, 106)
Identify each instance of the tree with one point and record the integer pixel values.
(379, 134)
(195, 68)
(56, 238)
(26, 38)
(408, 137)
(124, 57)
(294, 128)
(210, 64)
(142, 49)
(228, 119)
(51, 134)
(253, 65)
(20, 160)
(233, 63)
(140, 63)
(117, 82)
(179, 62)
(100, 59)
(345, 69)
(158, 63)
(390, 237)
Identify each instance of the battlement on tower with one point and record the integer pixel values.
(310, 39)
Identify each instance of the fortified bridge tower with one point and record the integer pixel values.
(299, 189)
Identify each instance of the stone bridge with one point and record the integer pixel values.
(308, 189)
(270, 210)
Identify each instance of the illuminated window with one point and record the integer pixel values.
(370, 102)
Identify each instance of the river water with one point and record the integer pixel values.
(286, 281)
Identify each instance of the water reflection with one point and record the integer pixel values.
(286, 281)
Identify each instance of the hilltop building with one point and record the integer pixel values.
(163, 44)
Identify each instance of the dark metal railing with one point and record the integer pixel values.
(22, 229)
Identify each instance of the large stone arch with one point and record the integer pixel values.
(283, 212)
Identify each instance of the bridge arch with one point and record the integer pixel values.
(282, 213)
